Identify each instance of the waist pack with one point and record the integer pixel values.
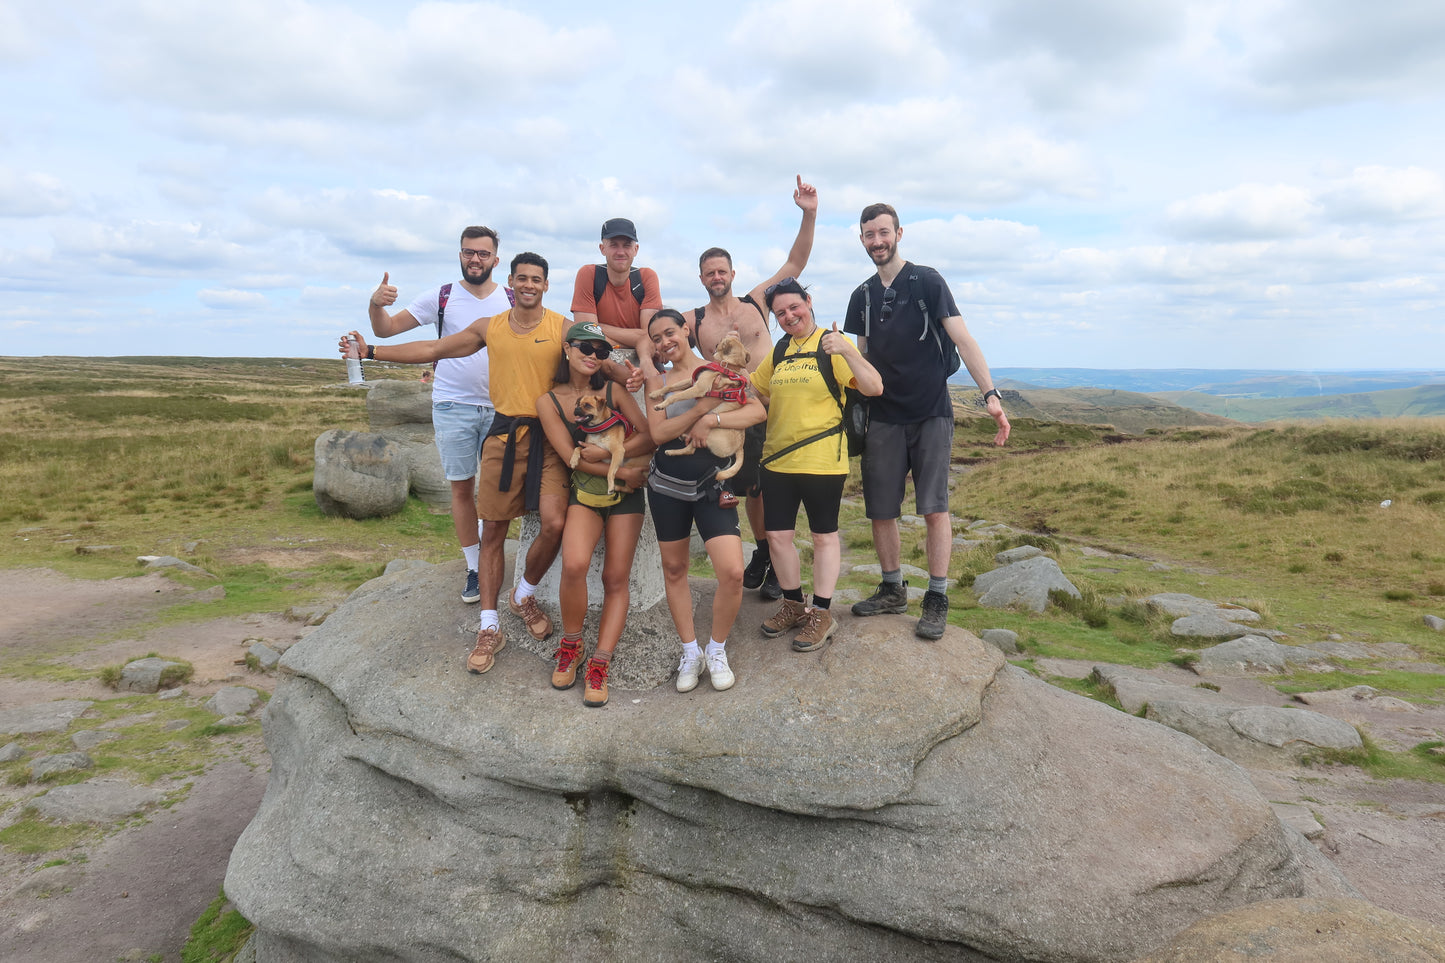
(683, 489)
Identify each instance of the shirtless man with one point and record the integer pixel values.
(724, 313)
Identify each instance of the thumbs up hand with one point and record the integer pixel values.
(832, 342)
(385, 293)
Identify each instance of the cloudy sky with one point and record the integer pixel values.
(1104, 183)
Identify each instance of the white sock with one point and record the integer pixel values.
(714, 647)
(525, 589)
(691, 650)
(471, 553)
(490, 619)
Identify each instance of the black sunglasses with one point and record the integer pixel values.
(887, 311)
(598, 349)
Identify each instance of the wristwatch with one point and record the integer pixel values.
(994, 393)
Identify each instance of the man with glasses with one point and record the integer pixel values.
(617, 296)
(909, 328)
(725, 313)
(461, 402)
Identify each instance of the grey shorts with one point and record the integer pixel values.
(459, 429)
(925, 449)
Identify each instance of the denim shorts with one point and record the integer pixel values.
(459, 429)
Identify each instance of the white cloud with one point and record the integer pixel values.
(230, 299)
(1384, 194)
(31, 194)
(1246, 211)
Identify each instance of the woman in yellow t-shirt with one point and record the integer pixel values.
(805, 458)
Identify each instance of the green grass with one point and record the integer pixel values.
(1417, 763)
(31, 834)
(217, 935)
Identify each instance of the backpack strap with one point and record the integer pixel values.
(599, 284)
(825, 368)
(511, 297)
(443, 296)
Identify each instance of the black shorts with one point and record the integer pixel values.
(748, 481)
(674, 518)
(819, 495)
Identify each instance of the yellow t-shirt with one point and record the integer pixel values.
(523, 365)
(799, 405)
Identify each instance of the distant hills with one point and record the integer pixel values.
(1137, 400)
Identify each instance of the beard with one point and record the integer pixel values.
(476, 275)
(883, 253)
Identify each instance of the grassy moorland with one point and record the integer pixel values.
(102, 460)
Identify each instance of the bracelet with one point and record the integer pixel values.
(994, 393)
(718, 417)
(371, 352)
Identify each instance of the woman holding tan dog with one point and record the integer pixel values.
(683, 492)
(805, 458)
(593, 428)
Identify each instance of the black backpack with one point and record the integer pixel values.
(599, 284)
(852, 404)
(946, 348)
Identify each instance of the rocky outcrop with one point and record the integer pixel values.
(1025, 583)
(358, 475)
(1306, 931)
(819, 809)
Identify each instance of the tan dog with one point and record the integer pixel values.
(593, 414)
(706, 382)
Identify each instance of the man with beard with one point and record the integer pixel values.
(909, 328)
(725, 313)
(462, 409)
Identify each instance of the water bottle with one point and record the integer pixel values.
(353, 362)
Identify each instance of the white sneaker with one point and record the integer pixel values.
(719, 671)
(687, 672)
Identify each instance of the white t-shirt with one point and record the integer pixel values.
(464, 380)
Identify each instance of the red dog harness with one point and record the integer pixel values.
(736, 392)
(612, 422)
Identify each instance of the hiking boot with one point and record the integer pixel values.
(756, 571)
(935, 616)
(771, 591)
(473, 591)
(719, 671)
(789, 615)
(528, 611)
(484, 654)
(566, 656)
(818, 627)
(687, 672)
(890, 598)
(596, 692)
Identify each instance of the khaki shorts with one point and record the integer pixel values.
(495, 506)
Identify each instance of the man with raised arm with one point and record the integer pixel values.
(525, 345)
(461, 403)
(909, 328)
(617, 296)
(725, 312)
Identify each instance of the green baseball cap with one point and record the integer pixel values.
(586, 331)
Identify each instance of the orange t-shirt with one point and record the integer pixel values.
(617, 308)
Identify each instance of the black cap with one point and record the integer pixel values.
(619, 227)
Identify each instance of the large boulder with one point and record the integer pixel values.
(400, 411)
(392, 402)
(819, 809)
(359, 475)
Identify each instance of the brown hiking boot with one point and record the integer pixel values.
(818, 629)
(788, 616)
(528, 611)
(567, 655)
(596, 692)
(489, 643)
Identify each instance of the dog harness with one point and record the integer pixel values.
(737, 392)
(613, 422)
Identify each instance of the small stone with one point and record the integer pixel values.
(233, 700)
(1005, 640)
(100, 800)
(1435, 622)
(62, 762)
(265, 655)
(170, 561)
(11, 752)
(1158, 567)
(175, 725)
(144, 675)
(175, 693)
(232, 721)
(1009, 556)
(90, 738)
(42, 717)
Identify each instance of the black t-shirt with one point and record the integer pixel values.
(912, 352)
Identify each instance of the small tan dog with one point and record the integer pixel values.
(606, 428)
(725, 378)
